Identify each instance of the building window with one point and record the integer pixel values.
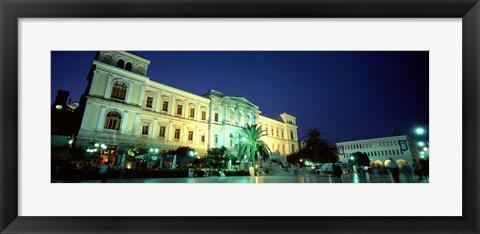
(192, 112)
(140, 69)
(216, 117)
(162, 131)
(149, 103)
(128, 67)
(271, 131)
(291, 134)
(120, 63)
(107, 59)
(179, 109)
(216, 139)
(202, 138)
(145, 129)
(112, 120)
(266, 131)
(165, 106)
(293, 148)
(398, 153)
(119, 91)
(282, 135)
(277, 132)
(190, 135)
(177, 134)
(204, 115)
(231, 140)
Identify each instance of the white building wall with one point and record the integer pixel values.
(380, 149)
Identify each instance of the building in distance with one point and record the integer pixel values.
(402, 149)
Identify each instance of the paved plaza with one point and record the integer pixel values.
(348, 178)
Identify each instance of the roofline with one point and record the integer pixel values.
(370, 139)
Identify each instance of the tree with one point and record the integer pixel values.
(319, 149)
(216, 157)
(312, 142)
(251, 145)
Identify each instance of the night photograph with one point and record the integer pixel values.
(240, 117)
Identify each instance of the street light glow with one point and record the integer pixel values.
(420, 131)
(421, 144)
(425, 149)
(151, 150)
(244, 139)
(352, 158)
(97, 145)
(156, 150)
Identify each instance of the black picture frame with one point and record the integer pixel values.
(11, 11)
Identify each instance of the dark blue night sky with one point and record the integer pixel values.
(346, 95)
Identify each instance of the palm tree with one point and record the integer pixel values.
(313, 140)
(251, 145)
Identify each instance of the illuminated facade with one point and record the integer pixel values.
(402, 149)
(123, 107)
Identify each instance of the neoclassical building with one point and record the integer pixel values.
(122, 107)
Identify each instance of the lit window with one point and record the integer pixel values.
(162, 131)
(112, 120)
(192, 112)
(204, 115)
(190, 135)
(165, 106)
(149, 103)
(145, 129)
(119, 91)
(177, 134)
(179, 109)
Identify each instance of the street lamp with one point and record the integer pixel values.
(420, 131)
(421, 143)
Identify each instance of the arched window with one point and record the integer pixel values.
(120, 63)
(128, 66)
(107, 59)
(119, 91)
(112, 120)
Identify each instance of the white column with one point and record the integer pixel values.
(152, 134)
(108, 87)
(169, 131)
(184, 134)
(173, 106)
(159, 101)
(135, 126)
(129, 91)
(86, 116)
(142, 94)
(101, 118)
(124, 122)
(185, 108)
(94, 82)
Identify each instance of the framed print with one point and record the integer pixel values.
(390, 89)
